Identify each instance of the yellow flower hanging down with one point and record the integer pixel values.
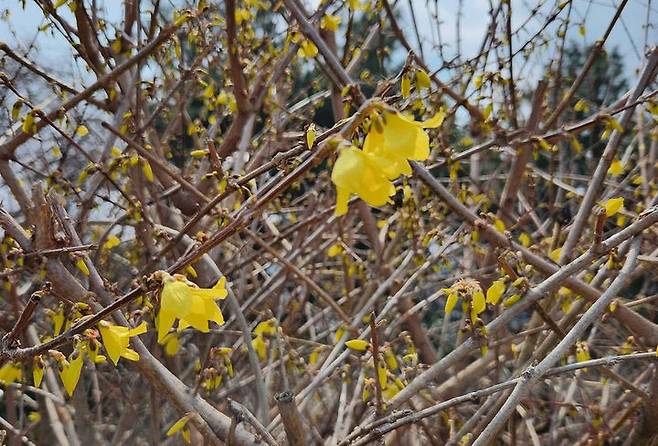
(267, 327)
(116, 339)
(385, 156)
(71, 370)
(180, 425)
(356, 172)
(192, 306)
(10, 373)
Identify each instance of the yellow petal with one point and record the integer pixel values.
(613, 205)
(171, 344)
(451, 302)
(340, 332)
(258, 343)
(28, 126)
(140, 329)
(70, 375)
(616, 168)
(511, 300)
(499, 225)
(310, 136)
(436, 120)
(555, 255)
(82, 131)
(111, 242)
(82, 266)
(266, 327)
(495, 292)
(478, 302)
(358, 345)
(130, 354)
(405, 86)
(524, 239)
(10, 373)
(334, 250)
(330, 22)
(342, 200)
(178, 425)
(37, 375)
(422, 79)
(148, 172)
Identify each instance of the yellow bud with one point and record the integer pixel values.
(358, 345)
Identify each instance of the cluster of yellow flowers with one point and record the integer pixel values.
(192, 306)
(263, 329)
(179, 299)
(393, 140)
(388, 371)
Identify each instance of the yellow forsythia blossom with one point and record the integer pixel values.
(613, 205)
(37, 371)
(582, 351)
(267, 327)
(10, 373)
(116, 339)
(358, 345)
(112, 242)
(307, 49)
(451, 302)
(385, 156)
(616, 168)
(192, 306)
(330, 22)
(180, 425)
(478, 304)
(495, 292)
(71, 370)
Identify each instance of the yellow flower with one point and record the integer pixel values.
(10, 373)
(171, 344)
(423, 80)
(82, 130)
(554, 255)
(582, 351)
(192, 306)
(405, 86)
(58, 320)
(180, 426)
(403, 137)
(495, 292)
(330, 22)
(37, 371)
(613, 205)
(357, 173)
(334, 250)
(82, 266)
(451, 302)
(148, 172)
(307, 49)
(112, 242)
(310, 136)
(358, 345)
(524, 239)
(616, 168)
(313, 358)
(266, 327)
(116, 339)
(258, 343)
(478, 304)
(70, 373)
(387, 149)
